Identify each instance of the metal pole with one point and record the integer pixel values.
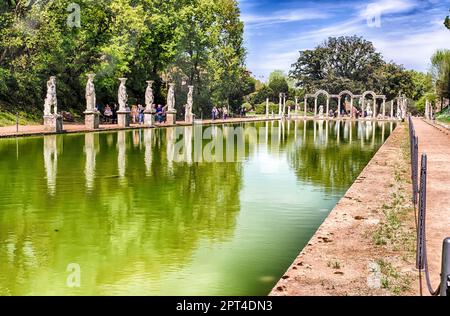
(420, 258)
(415, 168)
(445, 272)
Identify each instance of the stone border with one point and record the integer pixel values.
(115, 127)
(344, 237)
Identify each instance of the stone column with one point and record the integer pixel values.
(392, 109)
(351, 107)
(315, 106)
(123, 115)
(189, 116)
(384, 108)
(284, 105)
(149, 113)
(91, 115)
(305, 105)
(339, 107)
(171, 115)
(296, 106)
(328, 108)
(267, 108)
(52, 121)
(280, 105)
(374, 108)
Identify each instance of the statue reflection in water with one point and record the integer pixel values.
(121, 157)
(148, 157)
(90, 150)
(51, 161)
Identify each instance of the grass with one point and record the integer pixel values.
(444, 117)
(334, 264)
(395, 234)
(8, 119)
(392, 279)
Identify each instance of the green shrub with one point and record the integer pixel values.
(247, 106)
(261, 108)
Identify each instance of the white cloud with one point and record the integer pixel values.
(414, 50)
(283, 16)
(386, 7)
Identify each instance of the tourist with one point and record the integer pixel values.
(215, 113)
(134, 114)
(141, 110)
(225, 113)
(108, 113)
(114, 111)
(160, 116)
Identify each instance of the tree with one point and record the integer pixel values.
(262, 95)
(343, 63)
(197, 42)
(278, 83)
(394, 79)
(423, 84)
(447, 22)
(440, 71)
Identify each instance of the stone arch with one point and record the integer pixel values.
(346, 92)
(316, 95)
(319, 92)
(374, 96)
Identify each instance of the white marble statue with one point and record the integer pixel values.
(90, 94)
(149, 98)
(50, 99)
(369, 111)
(321, 111)
(171, 98)
(189, 105)
(122, 95)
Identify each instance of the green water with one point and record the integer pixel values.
(138, 222)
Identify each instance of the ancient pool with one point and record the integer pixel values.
(124, 213)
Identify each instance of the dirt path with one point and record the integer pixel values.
(435, 142)
(366, 246)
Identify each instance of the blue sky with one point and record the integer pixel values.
(408, 33)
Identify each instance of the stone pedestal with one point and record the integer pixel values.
(53, 123)
(92, 120)
(189, 119)
(123, 118)
(171, 118)
(149, 118)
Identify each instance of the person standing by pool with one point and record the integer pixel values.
(215, 113)
(160, 117)
(225, 113)
(141, 113)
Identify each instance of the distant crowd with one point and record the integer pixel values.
(109, 113)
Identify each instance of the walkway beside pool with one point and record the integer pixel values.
(342, 258)
(434, 140)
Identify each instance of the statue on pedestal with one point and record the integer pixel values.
(188, 117)
(321, 111)
(50, 99)
(90, 94)
(92, 115)
(149, 98)
(171, 98)
(122, 95)
(369, 111)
